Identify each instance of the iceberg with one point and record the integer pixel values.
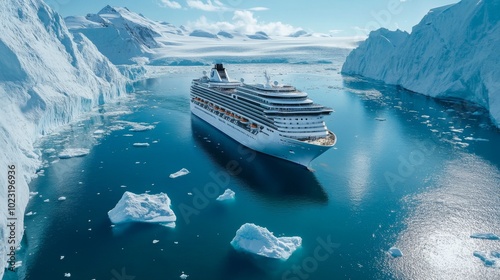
(489, 236)
(141, 144)
(144, 208)
(395, 252)
(260, 241)
(48, 78)
(228, 194)
(452, 53)
(181, 172)
(73, 152)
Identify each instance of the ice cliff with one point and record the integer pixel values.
(451, 53)
(48, 76)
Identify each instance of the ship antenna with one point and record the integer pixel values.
(268, 78)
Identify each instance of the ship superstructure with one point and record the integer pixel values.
(274, 119)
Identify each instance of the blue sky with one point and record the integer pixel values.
(336, 17)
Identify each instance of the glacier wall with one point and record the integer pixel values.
(451, 53)
(48, 76)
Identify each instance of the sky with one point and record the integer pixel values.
(342, 18)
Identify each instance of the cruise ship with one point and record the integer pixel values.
(274, 119)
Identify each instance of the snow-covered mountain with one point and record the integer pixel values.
(48, 76)
(451, 53)
(126, 37)
(120, 34)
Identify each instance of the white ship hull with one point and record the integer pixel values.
(267, 141)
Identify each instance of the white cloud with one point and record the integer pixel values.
(258, 9)
(244, 22)
(208, 6)
(170, 4)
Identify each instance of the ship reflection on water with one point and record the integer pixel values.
(269, 176)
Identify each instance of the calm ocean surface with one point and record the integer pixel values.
(407, 171)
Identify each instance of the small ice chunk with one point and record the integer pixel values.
(30, 213)
(146, 208)
(99, 131)
(46, 200)
(141, 144)
(228, 194)
(128, 135)
(181, 172)
(74, 152)
(155, 142)
(50, 150)
(489, 236)
(155, 241)
(62, 198)
(395, 252)
(183, 276)
(67, 274)
(123, 186)
(190, 193)
(476, 139)
(260, 241)
(62, 257)
(425, 116)
(140, 127)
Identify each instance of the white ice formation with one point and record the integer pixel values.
(451, 53)
(260, 241)
(144, 208)
(48, 77)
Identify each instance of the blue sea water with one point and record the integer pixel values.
(408, 171)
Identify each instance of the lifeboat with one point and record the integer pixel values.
(244, 121)
(253, 126)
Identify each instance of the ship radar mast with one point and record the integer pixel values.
(268, 78)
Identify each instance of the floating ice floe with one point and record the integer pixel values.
(62, 198)
(181, 172)
(155, 241)
(260, 241)
(476, 139)
(491, 259)
(395, 252)
(145, 208)
(228, 194)
(67, 274)
(73, 152)
(46, 200)
(141, 144)
(141, 127)
(489, 236)
(183, 276)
